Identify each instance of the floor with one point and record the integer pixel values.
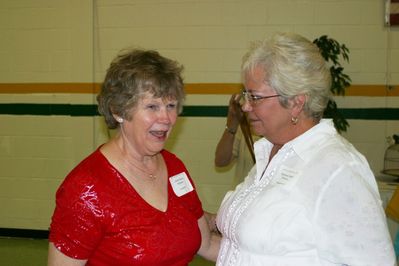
(33, 252)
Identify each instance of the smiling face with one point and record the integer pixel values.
(150, 124)
(267, 117)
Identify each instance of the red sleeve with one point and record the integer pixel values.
(75, 228)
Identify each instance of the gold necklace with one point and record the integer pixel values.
(151, 176)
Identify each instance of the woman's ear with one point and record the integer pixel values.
(298, 102)
(118, 118)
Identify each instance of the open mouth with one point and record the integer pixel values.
(160, 134)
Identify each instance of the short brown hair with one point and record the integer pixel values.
(133, 73)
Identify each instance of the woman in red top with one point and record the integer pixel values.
(131, 202)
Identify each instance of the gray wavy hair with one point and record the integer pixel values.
(293, 65)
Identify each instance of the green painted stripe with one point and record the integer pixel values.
(204, 111)
(188, 111)
(24, 233)
(48, 109)
(371, 113)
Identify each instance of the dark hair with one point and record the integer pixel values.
(133, 73)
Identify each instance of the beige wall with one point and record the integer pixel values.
(50, 41)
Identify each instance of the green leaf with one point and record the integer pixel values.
(332, 50)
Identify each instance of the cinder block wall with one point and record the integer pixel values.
(51, 42)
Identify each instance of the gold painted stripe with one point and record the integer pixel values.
(372, 90)
(212, 88)
(49, 88)
(191, 88)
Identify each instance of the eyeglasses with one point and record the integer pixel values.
(254, 99)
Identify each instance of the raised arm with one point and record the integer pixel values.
(224, 149)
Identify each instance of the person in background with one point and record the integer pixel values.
(235, 144)
(131, 202)
(311, 198)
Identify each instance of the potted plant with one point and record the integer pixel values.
(332, 51)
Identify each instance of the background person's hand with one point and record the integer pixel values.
(235, 113)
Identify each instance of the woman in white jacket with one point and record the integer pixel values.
(311, 198)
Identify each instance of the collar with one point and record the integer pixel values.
(302, 145)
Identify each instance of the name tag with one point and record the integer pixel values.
(287, 175)
(181, 184)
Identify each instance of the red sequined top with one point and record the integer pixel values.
(100, 217)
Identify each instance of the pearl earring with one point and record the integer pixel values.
(119, 119)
